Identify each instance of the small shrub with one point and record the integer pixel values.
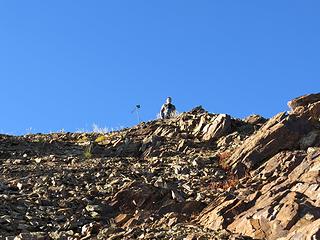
(87, 153)
(100, 139)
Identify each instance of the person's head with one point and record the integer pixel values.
(169, 100)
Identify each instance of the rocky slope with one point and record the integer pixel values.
(197, 176)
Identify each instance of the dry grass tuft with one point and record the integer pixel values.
(223, 157)
(231, 182)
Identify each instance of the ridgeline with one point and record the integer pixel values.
(196, 176)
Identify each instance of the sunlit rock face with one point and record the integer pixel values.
(198, 175)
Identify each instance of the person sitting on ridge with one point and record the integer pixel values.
(168, 110)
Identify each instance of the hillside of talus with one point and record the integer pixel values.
(196, 176)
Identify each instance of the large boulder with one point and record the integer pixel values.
(219, 126)
(255, 119)
(281, 132)
(303, 101)
(307, 107)
(295, 130)
(139, 195)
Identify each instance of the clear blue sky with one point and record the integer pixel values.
(68, 64)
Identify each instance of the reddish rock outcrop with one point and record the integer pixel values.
(304, 101)
(196, 176)
(279, 196)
